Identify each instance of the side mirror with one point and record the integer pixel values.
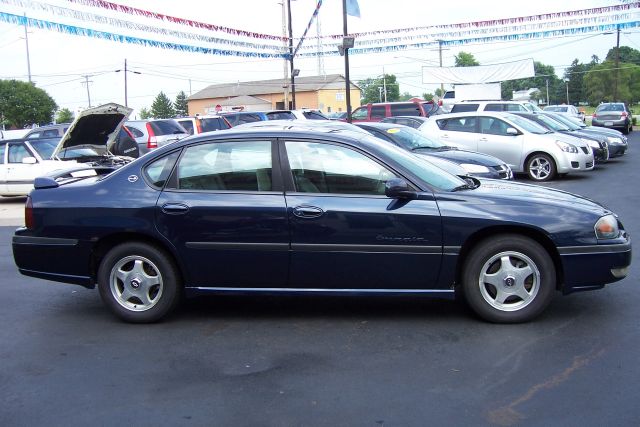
(29, 160)
(512, 131)
(397, 188)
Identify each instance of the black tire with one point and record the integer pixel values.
(138, 282)
(523, 276)
(541, 167)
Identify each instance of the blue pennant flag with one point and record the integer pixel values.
(352, 8)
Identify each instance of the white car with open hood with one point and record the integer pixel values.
(94, 143)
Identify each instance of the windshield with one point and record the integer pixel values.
(556, 109)
(44, 147)
(423, 169)
(526, 124)
(532, 107)
(566, 121)
(552, 123)
(412, 139)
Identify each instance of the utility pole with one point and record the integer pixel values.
(440, 53)
(547, 91)
(86, 82)
(615, 85)
(285, 47)
(384, 84)
(345, 33)
(293, 77)
(26, 40)
(126, 101)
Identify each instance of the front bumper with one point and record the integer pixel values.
(591, 267)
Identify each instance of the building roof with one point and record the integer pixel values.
(244, 100)
(265, 87)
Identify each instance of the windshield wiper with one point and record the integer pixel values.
(466, 186)
(422, 147)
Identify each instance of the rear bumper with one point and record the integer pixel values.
(57, 259)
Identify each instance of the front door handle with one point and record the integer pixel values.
(305, 211)
(175, 209)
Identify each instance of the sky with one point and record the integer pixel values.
(62, 64)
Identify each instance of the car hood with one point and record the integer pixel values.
(93, 132)
(463, 156)
(513, 192)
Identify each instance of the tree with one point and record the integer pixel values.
(405, 96)
(427, 96)
(64, 116)
(543, 73)
(627, 55)
(373, 89)
(575, 74)
(180, 105)
(23, 104)
(464, 59)
(145, 113)
(600, 82)
(162, 108)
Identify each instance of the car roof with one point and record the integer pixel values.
(380, 125)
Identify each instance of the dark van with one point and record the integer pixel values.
(378, 111)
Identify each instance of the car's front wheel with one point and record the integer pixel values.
(541, 167)
(508, 279)
(138, 282)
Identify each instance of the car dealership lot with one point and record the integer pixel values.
(281, 361)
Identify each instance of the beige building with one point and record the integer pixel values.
(326, 93)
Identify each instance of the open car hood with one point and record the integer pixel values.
(93, 133)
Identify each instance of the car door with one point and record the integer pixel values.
(345, 233)
(224, 210)
(21, 169)
(459, 131)
(494, 139)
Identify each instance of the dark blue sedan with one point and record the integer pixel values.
(319, 212)
(475, 164)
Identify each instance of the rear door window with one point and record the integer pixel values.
(405, 109)
(458, 124)
(378, 112)
(237, 166)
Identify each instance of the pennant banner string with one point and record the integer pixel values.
(79, 31)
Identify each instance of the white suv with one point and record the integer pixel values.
(522, 106)
(522, 144)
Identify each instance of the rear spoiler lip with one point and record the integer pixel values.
(53, 179)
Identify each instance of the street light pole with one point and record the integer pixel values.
(566, 83)
(615, 85)
(345, 33)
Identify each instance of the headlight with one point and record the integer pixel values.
(591, 143)
(607, 227)
(614, 140)
(472, 168)
(568, 148)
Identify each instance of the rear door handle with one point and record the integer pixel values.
(307, 211)
(175, 209)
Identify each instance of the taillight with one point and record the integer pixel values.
(28, 213)
(199, 126)
(152, 142)
(594, 115)
(440, 102)
(623, 114)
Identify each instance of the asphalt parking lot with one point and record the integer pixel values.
(299, 361)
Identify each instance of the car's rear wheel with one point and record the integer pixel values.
(541, 167)
(138, 282)
(508, 279)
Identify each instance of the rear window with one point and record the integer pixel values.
(166, 127)
(187, 124)
(464, 108)
(494, 107)
(449, 94)
(214, 123)
(314, 115)
(610, 107)
(281, 115)
(405, 109)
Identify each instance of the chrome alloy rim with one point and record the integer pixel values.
(540, 168)
(136, 283)
(509, 281)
